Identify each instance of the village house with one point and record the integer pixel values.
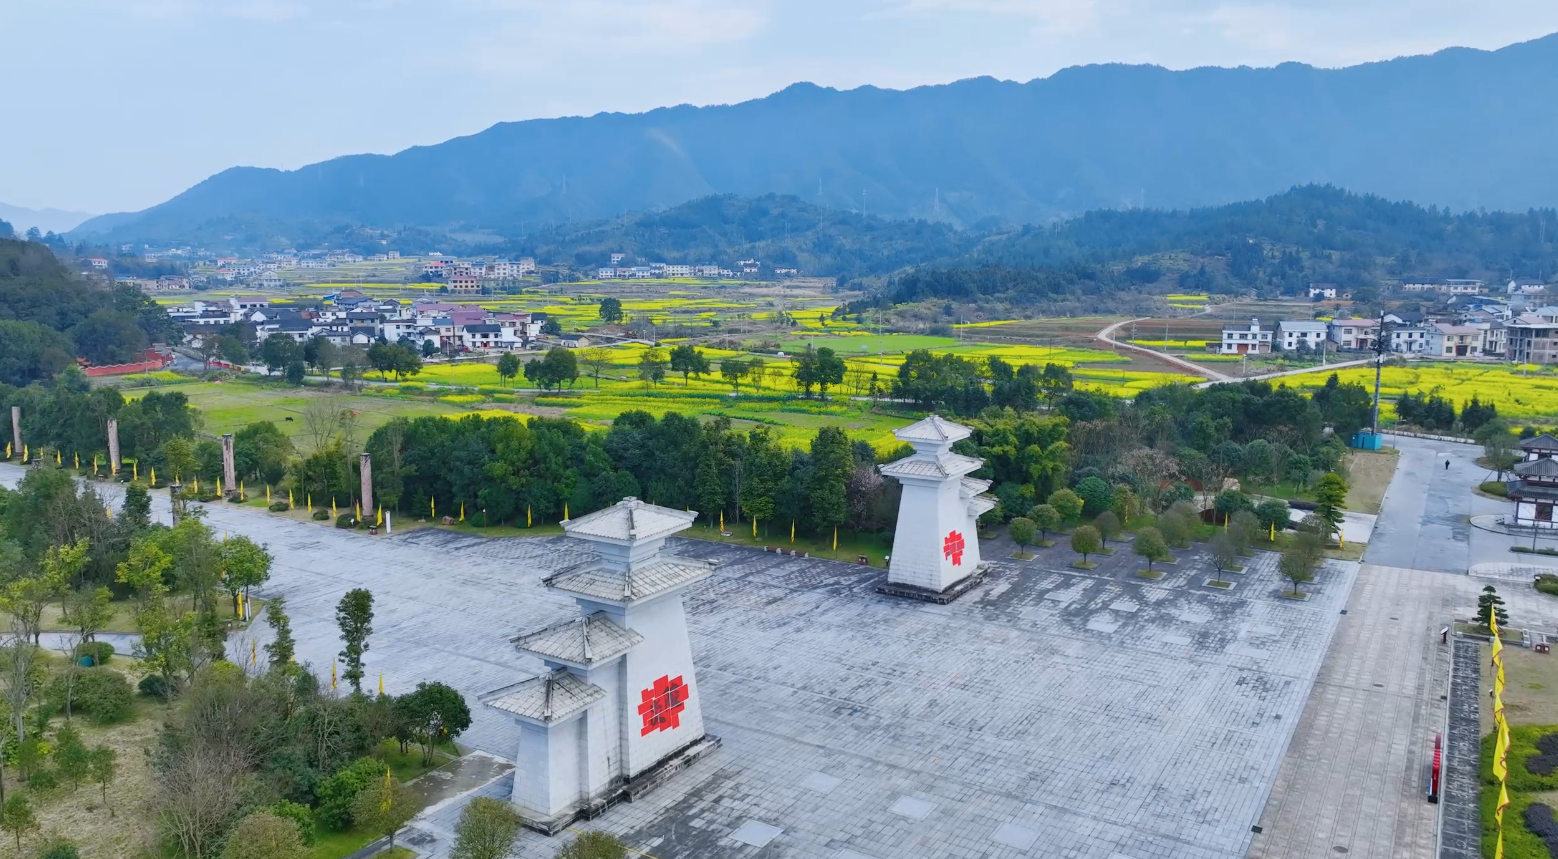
(1354, 334)
(1242, 339)
(1295, 334)
(1453, 341)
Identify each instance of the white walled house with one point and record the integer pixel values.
(617, 709)
(1408, 339)
(1453, 341)
(1354, 334)
(1242, 339)
(936, 544)
(1322, 290)
(1292, 334)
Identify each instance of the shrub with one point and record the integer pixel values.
(43, 778)
(1495, 487)
(152, 686)
(1547, 584)
(338, 792)
(101, 652)
(321, 515)
(1067, 503)
(346, 520)
(279, 507)
(60, 850)
(300, 814)
(1096, 495)
(101, 693)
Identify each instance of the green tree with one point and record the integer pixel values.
(1046, 518)
(651, 366)
(1297, 566)
(263, 835)
(1108, 526)
(688, 361)
(295, 372)
(1096, 495)
(559, 365)
(1067, 502)
(71, 757)
(1489, 606)
(1149, 545)
(594, 845)
(385, 806)
(1499, 445)
(709, 485)
(508, 367)
(486, 830)
(733, 369)
(282, 648)
(1330, 497)
(354, 615)
(17, 818)
(433, 713)
(1174, 527)
(611, 310)
(1242, 530)
(1086, 540)
(1273, 515)
(245, 564)
(1023, 530)
(831, 464)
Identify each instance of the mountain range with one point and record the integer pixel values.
(46, 220)
(1460, 128)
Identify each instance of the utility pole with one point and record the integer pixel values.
(1379, 364)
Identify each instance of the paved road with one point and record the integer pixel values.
(1354, 774)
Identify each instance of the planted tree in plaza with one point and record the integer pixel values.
(1297, 567)
(1108, 525)
(1023, 530)
(486, 830)
(1330, 496)
(1096, 494)
(245, 564)
(1225, 554)
(1067, 503)
(1174, 527)
(1489, 606)
(354, 615)
(1085, 541)
(1046, 518)
(1150, 546)
(1241, 529)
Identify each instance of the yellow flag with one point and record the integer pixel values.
(1500, 751)
(432, 509)
(1493, 622)
(380, 520)
(219, 485)
(94, 466)
(78, 461)
(240, 490)
(462, 511)
(722, 520)
(332, 675)
(527, 515)
(154, 477)
(835, 538)
(108, 510)
(310, 499)
(357, 511)
(57, 458)
(135, 471)
(290, 504)
(197, 484)
(792, 530)
(1498, 846)
(754, 527)
(1273, 537)
(1503, 800)
(565, 511)
(381, 684)
(332, 507)
(389, 789)
(24, 454)
(267, 495)
(1498, 651)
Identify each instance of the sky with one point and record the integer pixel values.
(116, 105)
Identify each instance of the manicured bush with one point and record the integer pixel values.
(1547, 584)
(101, 652)
(279, 507)
(101, 693)
(1096, 495)
(346, 520)
(321, 515)
(1495, 487)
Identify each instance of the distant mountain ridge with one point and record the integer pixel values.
(46, 220)
(1460, 128)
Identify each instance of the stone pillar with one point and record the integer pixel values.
(16, 430)
(113, 445)
(365, 465)
(936, 545)
(229, 467)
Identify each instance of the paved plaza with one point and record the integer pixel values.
(1049, 712)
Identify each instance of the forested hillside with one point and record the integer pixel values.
(1104, 136)
(49, 315)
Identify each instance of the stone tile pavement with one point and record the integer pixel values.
(1082, 714)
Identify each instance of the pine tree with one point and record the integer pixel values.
(708, 486)
(282, 649)
(1489, 605)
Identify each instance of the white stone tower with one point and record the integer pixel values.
(936, 546)
(617, 710)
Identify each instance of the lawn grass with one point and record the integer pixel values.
(231, 406)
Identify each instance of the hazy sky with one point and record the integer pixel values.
(119, 104)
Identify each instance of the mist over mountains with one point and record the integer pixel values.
(1461, 128)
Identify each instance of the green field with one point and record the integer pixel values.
(230, 406)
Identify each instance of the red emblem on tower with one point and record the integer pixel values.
(952, 547)
(663, 704)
